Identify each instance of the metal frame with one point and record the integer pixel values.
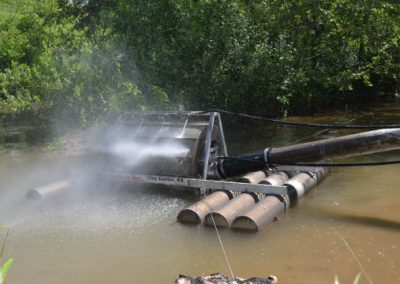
(208, 144)
(201, 185)
(196, 183)
(213, 121)
(198, 112)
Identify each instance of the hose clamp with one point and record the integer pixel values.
(267, 152)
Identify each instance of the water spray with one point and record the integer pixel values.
(187, 150)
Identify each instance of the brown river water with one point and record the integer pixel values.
(350, 223)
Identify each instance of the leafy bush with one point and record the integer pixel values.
(50, 63)
(87, 58)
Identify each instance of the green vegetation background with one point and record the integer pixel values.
(83, 59)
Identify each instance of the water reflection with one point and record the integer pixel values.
(352, 217)
(129, 235)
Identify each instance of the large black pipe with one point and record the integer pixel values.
(340, 147)
(333, 148)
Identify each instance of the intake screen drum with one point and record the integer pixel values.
(166, 148)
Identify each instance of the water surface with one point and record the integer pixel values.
(130, 235)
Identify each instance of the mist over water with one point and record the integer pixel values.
(102, 232)
(134, 153)
(92, 208)
(93, 205)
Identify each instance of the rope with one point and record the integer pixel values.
(222, 246)
(314, 125)
(354, 255)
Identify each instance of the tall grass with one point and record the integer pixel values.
(356, 280)
(6, 266)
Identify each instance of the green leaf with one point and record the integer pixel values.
(6, 266)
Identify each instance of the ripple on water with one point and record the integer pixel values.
(123, 213)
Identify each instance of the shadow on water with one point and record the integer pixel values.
(352, 218)
(133, 229)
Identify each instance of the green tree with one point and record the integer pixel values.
(49, 62)
(269, 57)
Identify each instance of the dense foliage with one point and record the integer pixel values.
(85, 58)
(48, 62)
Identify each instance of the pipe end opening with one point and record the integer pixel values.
(220, 220)
(33, 194)
(188, 216)
(245, 223)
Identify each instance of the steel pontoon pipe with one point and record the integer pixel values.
(301, 183)
(195, 213)
(253, 178)
(265, 212)
(270, 207)
(50, 189)
(224, 216)
(276, 179)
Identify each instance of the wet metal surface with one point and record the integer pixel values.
(130, 235)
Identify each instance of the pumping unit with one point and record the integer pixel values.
(188, 150)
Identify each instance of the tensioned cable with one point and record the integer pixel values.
(314, 134)
(221, 244)
(314, 125)
(337, 165)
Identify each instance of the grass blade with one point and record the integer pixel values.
(6, 267)
(4, 244)
(357, 279)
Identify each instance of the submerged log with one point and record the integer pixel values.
(218, 278)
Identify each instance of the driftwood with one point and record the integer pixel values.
(218, 278)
